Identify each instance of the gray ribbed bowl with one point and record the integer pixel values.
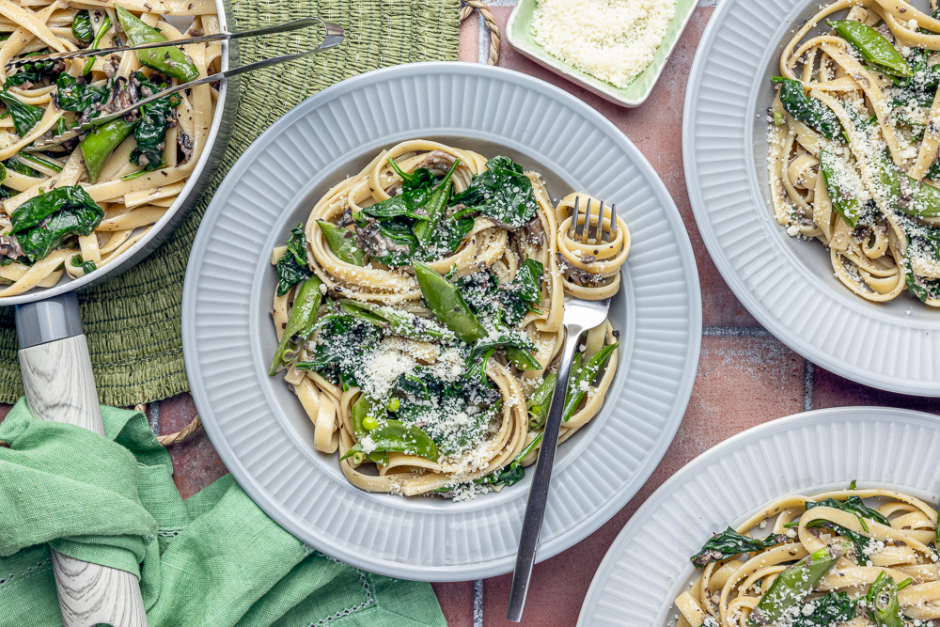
(258, 426)
(788, 285)
(648, 565)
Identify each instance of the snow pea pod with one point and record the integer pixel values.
(884, 609)
(303, 315)
(805, 109)
(522, 358)
(170, 60)
(101, 141)
(585, 374)
(342, 243)
(843, 202)
(790, 588)
(360, 411)
(448, 305)
(426, 227)
(907, 195)
(394, 436)
(873, 47)
(405, 325)
(540, 401)
(362, 416)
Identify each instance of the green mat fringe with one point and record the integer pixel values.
(133, 320)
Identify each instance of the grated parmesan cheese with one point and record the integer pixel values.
(613, 40)
(382, 368)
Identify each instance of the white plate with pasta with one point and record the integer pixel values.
(96, 204)
(830, 507)
(812, 169)
(369, 368)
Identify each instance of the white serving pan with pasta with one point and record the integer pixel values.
(758, 483)
(141, 203)
(799, 215)
(285, 445)
(77, 212)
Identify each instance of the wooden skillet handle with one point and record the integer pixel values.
(60, 386)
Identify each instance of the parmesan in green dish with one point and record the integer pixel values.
(613, 40)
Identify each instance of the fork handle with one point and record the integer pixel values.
(538, 492)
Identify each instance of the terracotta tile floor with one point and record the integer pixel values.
(745, 378)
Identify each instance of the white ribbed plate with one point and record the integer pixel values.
(788, 285)
(258, 426)
(648, 564)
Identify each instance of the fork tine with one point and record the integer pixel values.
(587, 223)
(613, 222)
(599, 229)
(573, 229)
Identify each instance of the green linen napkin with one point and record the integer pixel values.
(214, 559)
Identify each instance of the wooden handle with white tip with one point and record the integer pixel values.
(60, 386)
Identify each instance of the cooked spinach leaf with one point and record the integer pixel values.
(730, 543)
(32, 73)
(155, 119)
(334, 356)
(518, 295)
(832, 609)
(86, 266)
(852, 505)
(509, 303)
(506, 476)
(81, 27)
(76, 95)
(415, 190)
(292, 266)
(43, 222)
(502, 338)
(503, 192)
(25, 116)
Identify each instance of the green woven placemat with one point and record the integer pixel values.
(133, 321)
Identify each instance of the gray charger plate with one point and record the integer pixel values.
(648, 565)
(788, 285)
(258, 426)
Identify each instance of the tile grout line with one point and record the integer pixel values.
(483, 40)
(809, 372)
(154, 417)
(478, 603)
(735, 332)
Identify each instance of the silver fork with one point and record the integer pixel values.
(580, 316)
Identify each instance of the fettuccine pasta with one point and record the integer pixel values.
(419, 313)
(849, 557)
(72, 208)
(854, 139)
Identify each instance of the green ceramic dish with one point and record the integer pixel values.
(519, 32)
